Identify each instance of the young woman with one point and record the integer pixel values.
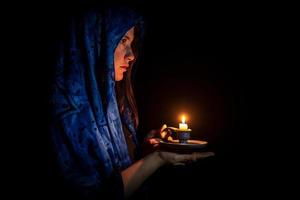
(94, 113)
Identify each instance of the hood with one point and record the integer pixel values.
(83, 100)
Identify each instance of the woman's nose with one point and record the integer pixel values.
(129, 55)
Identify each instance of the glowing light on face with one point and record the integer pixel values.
(123, 55)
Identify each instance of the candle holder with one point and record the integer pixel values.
(181, 143)
(183, 135)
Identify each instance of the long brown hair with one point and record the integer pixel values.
(124, 88)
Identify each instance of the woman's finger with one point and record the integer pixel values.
(153, 141)
(203, 155)
(179, 164)
(163, 127)
(192, 157)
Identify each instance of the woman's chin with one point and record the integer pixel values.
(119, 78)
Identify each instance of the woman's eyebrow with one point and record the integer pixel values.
(127, 37)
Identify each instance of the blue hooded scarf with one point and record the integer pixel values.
(86, 125)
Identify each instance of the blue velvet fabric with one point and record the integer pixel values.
(86, 125)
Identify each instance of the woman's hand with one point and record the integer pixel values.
(182, 159)
(156, 134)
(152, 140)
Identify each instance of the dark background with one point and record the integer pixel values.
(215, 63)
(201, 60)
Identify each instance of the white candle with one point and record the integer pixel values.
(183, 125)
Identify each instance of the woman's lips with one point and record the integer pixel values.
(124, 67)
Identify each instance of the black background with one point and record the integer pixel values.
(216, 63)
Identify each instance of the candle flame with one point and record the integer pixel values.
(183, 119)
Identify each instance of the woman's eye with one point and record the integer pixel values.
(123, 41)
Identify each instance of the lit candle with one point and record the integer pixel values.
(183, 125)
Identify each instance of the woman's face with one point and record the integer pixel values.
(123, 54)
